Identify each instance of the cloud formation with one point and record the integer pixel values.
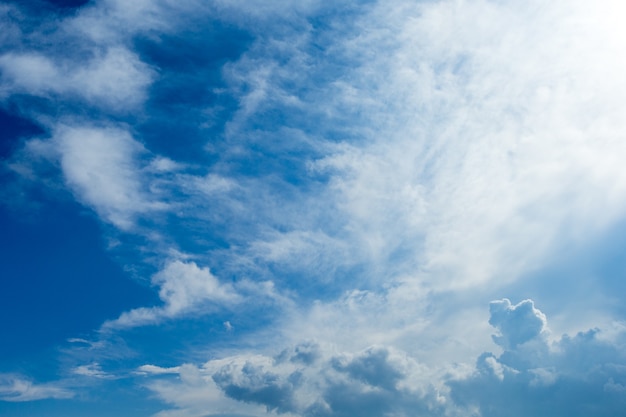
(570, 376)
(102, 167)
(115, 79)
(377, 380)
(184, 288)
(363, 176)
(578, 376)
(14, 388)
(517, 324)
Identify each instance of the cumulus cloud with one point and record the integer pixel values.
(575, 376)
(580, 375)
(372, 367)
(15, 388)
(517, 323)
(254, 383)
(191, 392)
(320, 382)
(184, 288)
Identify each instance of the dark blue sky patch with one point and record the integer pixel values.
(45, 7)
(13, 129)
(185, 109)
(170, 342)
(68, 4)
(194, 235)
(58, 280)
(203, 50)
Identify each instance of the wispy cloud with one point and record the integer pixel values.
(15, 388)
(92, 370)
(114, 79)
(486, 152)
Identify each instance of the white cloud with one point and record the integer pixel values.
(577, 375)
(572, 376)
(184, 289)
(114, 21)
(517, 323)
(491, 141)
(32, 72)
(192, 393)
(157, 370)
(185, 284)
(307, 380)
(14, 388)
(92, 370)
(101, 166)
(115, 79)
(464, 143)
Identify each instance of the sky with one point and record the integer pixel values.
(305, 208)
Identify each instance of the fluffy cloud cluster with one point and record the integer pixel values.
(308, 380)
(575, 376)
(517, 323)
(580, 375)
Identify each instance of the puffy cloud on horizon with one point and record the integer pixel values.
(325, 384)
(574, 376)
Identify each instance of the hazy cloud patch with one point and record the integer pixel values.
(14, 388)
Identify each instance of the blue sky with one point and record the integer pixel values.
(306, 208)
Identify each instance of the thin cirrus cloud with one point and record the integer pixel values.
(501, 129)
(115, 79)
(364, 181)
(14, 388)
